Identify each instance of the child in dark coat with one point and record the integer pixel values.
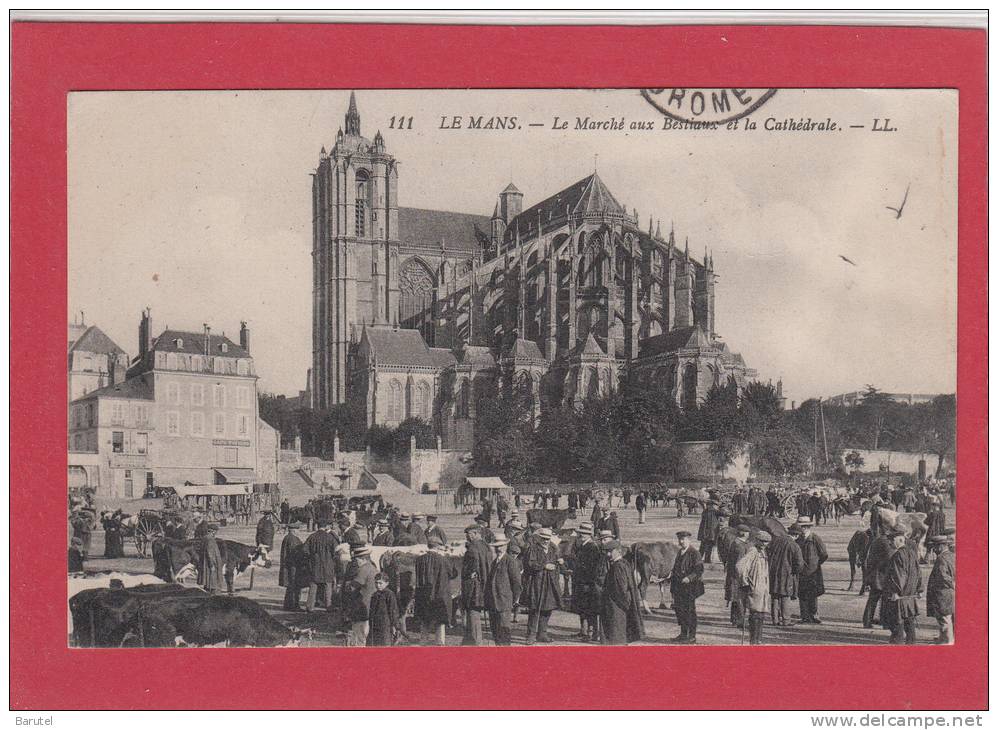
(383, 614)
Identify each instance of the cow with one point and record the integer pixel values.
(567, 541)
(553, 518)
(652, 563)
(171, 615)
(758, 522)
(913, 523)
(858, 547)
(174, 559)
(400, 567)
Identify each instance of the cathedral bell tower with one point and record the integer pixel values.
(354, 251)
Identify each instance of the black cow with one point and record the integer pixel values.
(400, 567)
(170, 557)
(553, 518)
(652, 561)
(171, 615)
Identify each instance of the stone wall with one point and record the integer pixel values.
(903, 462)
(696, 464)
(438, 468)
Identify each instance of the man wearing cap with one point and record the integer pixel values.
(901, 592)
(502, 588)
(383, 537)
(432, 604)
(483, 525)
(686, 585)
(265, 530)
(732, 591)
(935, 521)
(878, 555)
(416, 531)
(200, 525)
(621, 610)
(474, 571)
(291, 550)
(358, 590)
(785, 562)
(940, 596)
(812, 581)
(514, 533)
(432, 528)
(710, 526)
(540, 578)
(353, 534)
(320, 550)
(585, 592)
(753, 579)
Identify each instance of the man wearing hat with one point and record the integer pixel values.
(474, 571)
(812, 581)
(211, 568)
(265, 530)
(785, 562)
(320, 552)
(540, 578)
(352, 533)
(753, 580)
(291, 552)
(878, 555)
(514, 533)
(935, 520)
(502, 589)
(358, 591)
(940, 593)
(75, 555)
(710, 526)
(432, 528)
(686, 585)
(483, 524)
(904, 585)
(621, 610)
(585, 592)
(641, 505)
(432, 599)
(732, 591)
(382, 535)
(416, 531)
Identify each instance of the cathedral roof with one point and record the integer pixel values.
(674, 340)
(399, 347)
(586, 197)
(420, 226)
(476, 356)
(511, 188)
(525, 350)
(442, 356)
(93, 339)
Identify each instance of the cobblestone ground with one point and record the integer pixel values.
(840, 611)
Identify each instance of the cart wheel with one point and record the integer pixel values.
(145, 532)
(790, 507)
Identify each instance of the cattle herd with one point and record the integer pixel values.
(188, 598)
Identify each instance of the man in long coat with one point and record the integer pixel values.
(383, 537)
(359, 590)
(81, 530)
(502, 588)
(416, 531)
(585, 592)
(739, 503)
(875, 574)
(940, 597)
(285, 512)
(432, 605)
(753, 579)
(812, 581)
(732, 592)
(474, 572)
(710, 525)
(291, 554)
(265, 530)
(785, 562)
(320, 551)
(686, 585)
(540, 585)
(641, 505)
(935, 521)
(211, 568)
(621, 613)
(904, 585)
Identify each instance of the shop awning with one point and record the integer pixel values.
(210, 490)
(236, 476)
(487, 483)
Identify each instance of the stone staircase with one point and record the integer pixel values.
(404, 498)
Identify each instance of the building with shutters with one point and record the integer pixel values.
(185, 413)
(414, 306)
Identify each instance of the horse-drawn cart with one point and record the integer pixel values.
(150, 524)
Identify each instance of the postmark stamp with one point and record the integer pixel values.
(710, 106)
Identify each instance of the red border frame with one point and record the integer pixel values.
(50, 59)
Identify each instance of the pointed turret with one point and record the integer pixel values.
(687, 247)
(649, 225)
(353, 117)
(658, 230)
(672, 235)
(379, 141)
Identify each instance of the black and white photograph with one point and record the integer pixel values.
(511, 367)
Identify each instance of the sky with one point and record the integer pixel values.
(198, 205)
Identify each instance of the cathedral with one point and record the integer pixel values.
(417, 311)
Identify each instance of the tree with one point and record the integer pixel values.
(761, 408)
(780, 452)
(872, 410)
(942, 425)
(725, 450)
(854, 461)
(504, 443)
(413, 426)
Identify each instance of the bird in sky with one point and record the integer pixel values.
(899, 210)
(848, 261)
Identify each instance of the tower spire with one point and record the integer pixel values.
(353, 116)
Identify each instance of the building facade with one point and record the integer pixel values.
(565, 294)
(185, 413)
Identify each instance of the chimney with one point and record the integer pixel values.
(145, 332)
(207, 340)
(244, 337)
